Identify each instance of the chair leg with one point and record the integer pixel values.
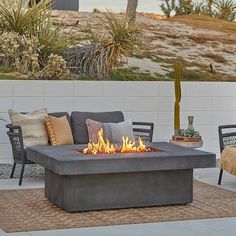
(13, 170)
(220, 177)
(22, 173)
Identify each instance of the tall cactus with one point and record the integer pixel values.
(177, 97)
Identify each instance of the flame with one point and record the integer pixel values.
(104, 146)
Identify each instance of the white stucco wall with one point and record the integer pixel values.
(211, 104)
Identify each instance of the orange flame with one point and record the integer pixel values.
(104, 146)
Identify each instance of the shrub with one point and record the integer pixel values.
(96, 10)
(225, 9)
(106, 51)
(21, 20)
(56, 68)
(222, 9)
(185, 7)
(36, 22)
(167, 7)
(215, 57)
(20, 52)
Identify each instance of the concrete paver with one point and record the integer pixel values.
(210, 227)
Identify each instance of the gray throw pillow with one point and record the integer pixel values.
(115, 131)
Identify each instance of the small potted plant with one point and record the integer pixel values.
(190, 135)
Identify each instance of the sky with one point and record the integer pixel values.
(120, 5)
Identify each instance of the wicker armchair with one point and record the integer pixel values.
(18, 150)
(226, 139)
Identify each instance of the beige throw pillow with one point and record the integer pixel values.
(33, 126)
(59, 130)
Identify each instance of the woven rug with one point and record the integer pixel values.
(29, 210)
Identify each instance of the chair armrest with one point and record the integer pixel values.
(17, 143)
(12, 127)
(143, 130)
(226, 138)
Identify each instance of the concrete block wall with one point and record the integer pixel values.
(211, 104)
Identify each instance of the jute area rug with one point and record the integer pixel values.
(29, 210)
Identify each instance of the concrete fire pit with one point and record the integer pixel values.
(78, 182)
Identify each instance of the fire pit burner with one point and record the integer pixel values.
(118, 152)
(103, 146)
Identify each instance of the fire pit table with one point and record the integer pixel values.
(78, 182)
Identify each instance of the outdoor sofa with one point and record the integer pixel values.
(77, 121)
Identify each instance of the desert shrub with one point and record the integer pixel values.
(167, 7)
(96, 10)
(36, 22)
(225, 9)
(56, 68)
(20, 52)
(185, 7)
(23, 20)
(106, 51)
(222, 9)
(204, 7)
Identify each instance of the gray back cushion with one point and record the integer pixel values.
(79, 127)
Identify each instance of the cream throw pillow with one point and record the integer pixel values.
(59, 130)
(33, 126)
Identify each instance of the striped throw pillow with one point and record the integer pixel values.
(33, 126)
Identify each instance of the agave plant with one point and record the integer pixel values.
(36, 22)
(225, 9)
(22, 20)
(105, 52)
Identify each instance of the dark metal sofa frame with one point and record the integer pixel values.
(141, 129)
(226, 139)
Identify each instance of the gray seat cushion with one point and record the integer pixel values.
(79, 127)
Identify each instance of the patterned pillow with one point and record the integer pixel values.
(93, 128)
(59, 130)
(33, 126)
(112, 131)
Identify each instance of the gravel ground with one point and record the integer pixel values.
(30, 171)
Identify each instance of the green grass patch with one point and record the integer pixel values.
(9, 77)
(130, 75)
(189, 75)
(4, 69)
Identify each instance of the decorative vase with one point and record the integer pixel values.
(190, 123)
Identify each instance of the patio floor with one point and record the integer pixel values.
(214, 227)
